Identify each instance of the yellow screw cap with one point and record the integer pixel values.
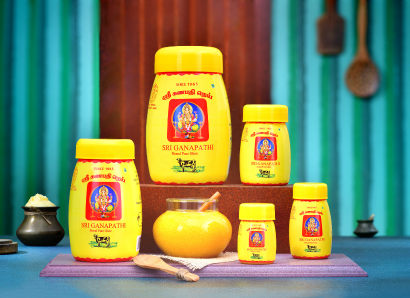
(265, 113)
(188, 58)
(257, 211)
(105, 149)
(310, 191)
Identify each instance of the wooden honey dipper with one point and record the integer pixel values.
(153, 262)
(206, 205)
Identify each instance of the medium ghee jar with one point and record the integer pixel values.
(105, 216)
(257, 234)
(310, 224)
(265, 146)
(188, 134)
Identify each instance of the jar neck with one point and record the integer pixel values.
(190, 205)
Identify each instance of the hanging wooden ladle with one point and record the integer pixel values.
(362, 77)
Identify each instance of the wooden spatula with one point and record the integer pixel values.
(152, 262)
(331, 31)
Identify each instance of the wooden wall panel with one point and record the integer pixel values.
(132, 31)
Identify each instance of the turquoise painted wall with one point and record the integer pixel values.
(360, 148)
(49, 99)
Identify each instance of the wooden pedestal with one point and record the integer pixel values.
(154, 204)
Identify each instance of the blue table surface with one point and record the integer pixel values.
(386, 260)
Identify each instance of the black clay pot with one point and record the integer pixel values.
(365, 228)
(40, 227)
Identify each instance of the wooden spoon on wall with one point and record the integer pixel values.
(362, 77)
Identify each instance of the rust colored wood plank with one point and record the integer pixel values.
(235, 80)
(216, 32)
(198, 19)
(165, 27)
(135, 103)
(261, 35)
(181, 22)
(112, 47)
(154, 204)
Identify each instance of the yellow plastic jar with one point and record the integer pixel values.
(310, 224)
(257, 234)
(105, 215)
(188, 122)
(265, 146)
(183, 231)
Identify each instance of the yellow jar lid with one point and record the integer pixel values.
(310, 191)
(265, 113)
(256, 211)
(188, 58)
(105, 149)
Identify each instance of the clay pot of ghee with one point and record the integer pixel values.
(188, 134)
(183, 231)
(105, 216)
(40, 227)
(265, 145)
(310, 224)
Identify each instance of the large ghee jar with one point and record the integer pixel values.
(257, 234)
(105, 216)
(310, 224)
(183, 231)
(265, 146)
(189, 123)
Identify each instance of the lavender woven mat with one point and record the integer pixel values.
(337, 265)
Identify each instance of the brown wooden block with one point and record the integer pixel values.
(154, 204)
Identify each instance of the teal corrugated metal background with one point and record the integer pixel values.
(49, 96)
(361, 148)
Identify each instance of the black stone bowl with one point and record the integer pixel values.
(365, 228)
(35, 231)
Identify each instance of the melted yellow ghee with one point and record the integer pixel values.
(192, 234)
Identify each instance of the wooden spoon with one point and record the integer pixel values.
(206, 205)
(152, 262)
(362, 77)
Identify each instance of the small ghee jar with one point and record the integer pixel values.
(189, 136)
(257, 234)
(310, 224)
(105, 215)
(265, 146)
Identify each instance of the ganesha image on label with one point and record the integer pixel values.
(188, 120)
(104, 201)
(265, 148)
(256, 239)
(312, 226)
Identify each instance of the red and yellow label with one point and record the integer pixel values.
(188, 120)
(257, 242)
(265, 154)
